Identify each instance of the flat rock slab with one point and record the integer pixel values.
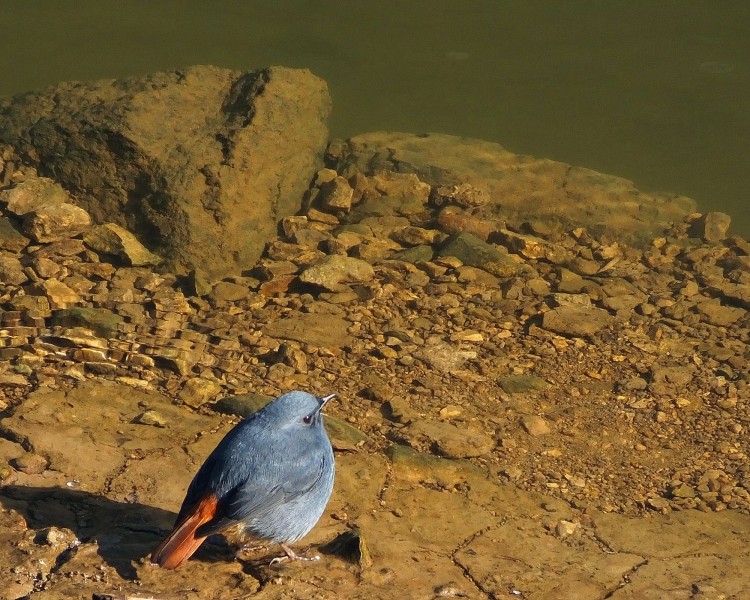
(521, 187)
(317, 329)
(90, 433)
(191, 160)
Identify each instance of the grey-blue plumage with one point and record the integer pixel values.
(272, 474)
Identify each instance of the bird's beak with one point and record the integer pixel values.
(325, 400)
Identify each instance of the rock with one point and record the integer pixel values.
(520, 187)
(197, 391)
(113, 240)
(535, 425)
(444, 357)
(11, 270)
(10, 238)
(31, 464)
(319, 330)
(241, 405)
(682, 490)
(55, 222)
(670, 380)
(151, 417)
(226, 291)
(464, 195)
(332, 271)
(33, 193)
(715, 313)
(101, 321)
(575, 321)
(453, 221)
(472, 251)
(343, 435)
(447, 439)
(519, 384)
(336, 195)
(58, 294)
(414, 254)
(528, 246)
(450, 411)
(712, 227)
(415, 236)
(190, 161)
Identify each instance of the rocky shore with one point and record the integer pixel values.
(531, 405)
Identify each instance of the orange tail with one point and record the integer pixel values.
(182, 542)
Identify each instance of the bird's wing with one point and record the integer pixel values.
(276, 481)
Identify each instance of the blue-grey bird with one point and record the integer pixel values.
(271, 475)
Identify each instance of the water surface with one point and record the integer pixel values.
(653, 91)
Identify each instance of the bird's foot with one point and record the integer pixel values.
(291, 555)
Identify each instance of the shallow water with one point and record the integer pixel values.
(655, 92)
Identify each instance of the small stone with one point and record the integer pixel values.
(472, 251)
(55, 536)
(682, 490)
(400, 411)
(196, 392)
(447, 439)
(464, 195)
(332, 271)
(712, 227)
(450, 411)
(32, 193)
(11, 271)
(227, 291)
(241, 405)
(31, 464)
(10, 238)
(55, 222)
(58, 294)
(535, 425)
(151, 417)
(111, 239)
(454, 221)
(336, 195)
(101, 321)
(658, 503)
(567, 528)
(575, 321)
(714, 313)
(415, 236)
(518, 384)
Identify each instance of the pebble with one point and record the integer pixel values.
(535, 425)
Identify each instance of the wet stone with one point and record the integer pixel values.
(575, 321)
(447, 439)
(518, 384)
(332, 271)
(472, 251)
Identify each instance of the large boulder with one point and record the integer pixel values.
(200, 163)
(515, 187)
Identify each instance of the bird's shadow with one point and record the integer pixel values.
(124, 532)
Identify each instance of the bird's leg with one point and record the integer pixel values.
(291, 555)
(251, 547)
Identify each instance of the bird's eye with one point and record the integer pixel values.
(307, 419)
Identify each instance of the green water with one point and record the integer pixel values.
(653, 90)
